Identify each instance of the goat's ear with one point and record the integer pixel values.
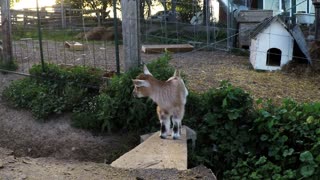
(176, 73)
(140, 83)
(146, 70)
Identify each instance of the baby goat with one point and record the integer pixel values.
(170, 96)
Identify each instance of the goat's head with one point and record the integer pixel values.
(142, 86)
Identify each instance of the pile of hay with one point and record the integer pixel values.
(100, 34)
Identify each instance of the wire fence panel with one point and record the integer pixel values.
(203, 26)
(80, 42)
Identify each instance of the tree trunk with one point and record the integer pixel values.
(7, 56)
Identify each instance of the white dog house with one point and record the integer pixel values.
(271, 44)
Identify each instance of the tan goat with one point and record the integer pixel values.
(170, 96)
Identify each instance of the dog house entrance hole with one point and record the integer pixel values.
(274, 57)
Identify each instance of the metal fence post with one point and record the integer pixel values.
(116, 36)
(40, 37)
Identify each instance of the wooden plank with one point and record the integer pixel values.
(156, 153)
(253, 15)
(159, 48)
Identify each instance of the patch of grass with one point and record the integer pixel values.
(57, 34)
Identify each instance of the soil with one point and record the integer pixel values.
(30, 149)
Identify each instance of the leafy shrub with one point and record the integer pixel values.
(288, 137)
(75, 75)
(223, 133)
(21, 92)
(54, 90)
(10, 66)
(239, 142)
(120, 110)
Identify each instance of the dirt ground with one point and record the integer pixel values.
(55, 150)
(12, 167)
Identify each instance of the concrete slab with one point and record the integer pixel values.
(156, 153)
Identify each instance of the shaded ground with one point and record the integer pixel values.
(64, 149)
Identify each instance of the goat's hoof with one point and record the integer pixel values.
(175, 136)
(163, 136)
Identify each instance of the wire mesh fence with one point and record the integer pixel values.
(73, 39)
(85, 37)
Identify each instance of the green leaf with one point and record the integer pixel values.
(276, 176)
(306, 157)
(284, 139)
(264, 137)
(265, 114)
(288, 152)
(224, 103)
(233, 115)
(318, 158)
(310, 119)
(255, 175)
(289, 174)
(307, 170)
(261, 160)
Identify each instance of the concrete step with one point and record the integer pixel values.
(157, 153)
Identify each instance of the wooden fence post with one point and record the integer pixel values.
(7, 56)
(63, 15)
(131, 33)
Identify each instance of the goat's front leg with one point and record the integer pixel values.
(176, 133)
(164, 118)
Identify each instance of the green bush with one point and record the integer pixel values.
(83, 76)
(287, 137)
(116, 109)
(54, 90)
(240, 142)
(223, 132)
(10, 66)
